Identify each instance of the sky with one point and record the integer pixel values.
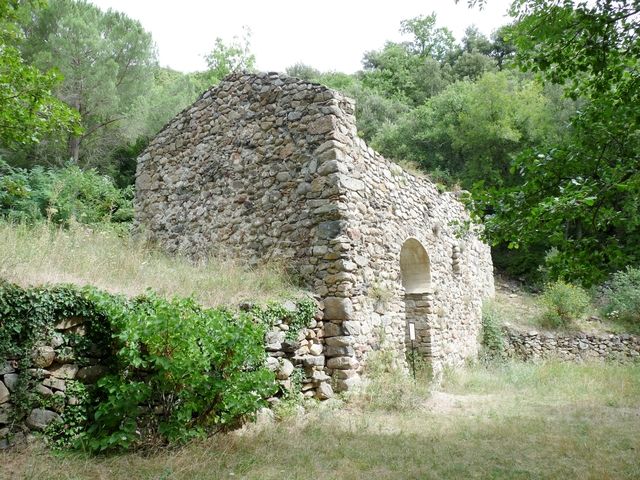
(330, 35)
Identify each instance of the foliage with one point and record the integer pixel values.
(427, 39)
(296, 318)
(176, 370)
(62, 196)
(227, 58)
(28, 109)
(472, 129)
(564, 303)
(106, 59)
(622, 298)
(399, 73)
(71, 429)
(492, 339)
(182, 371)
(579, 197)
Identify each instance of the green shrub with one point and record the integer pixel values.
(62, 195)
(622, 298)
(183, 371)
(564, 303)
(492, 339)
(175, 370)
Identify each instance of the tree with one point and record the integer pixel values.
(502, 48)
(472, 130)
(427, 39)
(475, 41)
(415, 70)
(28, 108)
(472, 65)
(580, 196)
(107, 60)
(225, 59)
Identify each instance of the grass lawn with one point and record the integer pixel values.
(511, 421)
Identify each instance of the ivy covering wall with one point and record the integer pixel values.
(99, 371)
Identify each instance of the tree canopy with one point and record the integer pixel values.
(28, 109)
(581, 196)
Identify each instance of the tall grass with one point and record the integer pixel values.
(121, 264)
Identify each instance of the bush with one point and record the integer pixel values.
(175, 370)
(390, 386)
(622, 298)
(492, 339)
(61, 196)
(183, 370)
(564, 303)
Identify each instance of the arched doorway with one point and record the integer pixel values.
(415, 271)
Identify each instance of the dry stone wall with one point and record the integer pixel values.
(534, 345)
(53, 367)
(46, 379)
(268, 167)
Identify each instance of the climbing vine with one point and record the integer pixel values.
(171, 369)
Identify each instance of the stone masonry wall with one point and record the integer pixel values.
(534, 345)
(57, 363)
(267, 167)
(385, 205)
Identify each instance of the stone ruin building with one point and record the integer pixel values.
(269, 167)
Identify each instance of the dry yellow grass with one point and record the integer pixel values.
(121, 264)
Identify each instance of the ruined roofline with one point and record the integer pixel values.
(234, 77)
(277, 79)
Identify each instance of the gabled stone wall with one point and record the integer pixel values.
(244, 172)
(268, 167)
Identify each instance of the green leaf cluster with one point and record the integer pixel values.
(578, 197)
(176, 370)
(622, 298)
(62, 196)
(29, 111)
(183, 371)
(564, 304)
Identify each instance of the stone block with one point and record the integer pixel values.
(329, 229)
(55, 383)
(342, 363)
(315, 349)
(313, 360)
(4, 393)
(65, 371)
(285, 370)
(324, 391)
(43, 356)
(338, 308)
(91, 374)
(332, 329)
(11, 380)
(341, 341)
(351, 327)
(69, 322)
(347, 384)
(333, 351)
(6, 367)
(39, 418)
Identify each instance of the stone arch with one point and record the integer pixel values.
(415, 272)
(415, 267)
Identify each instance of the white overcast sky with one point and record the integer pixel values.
(327, 34)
